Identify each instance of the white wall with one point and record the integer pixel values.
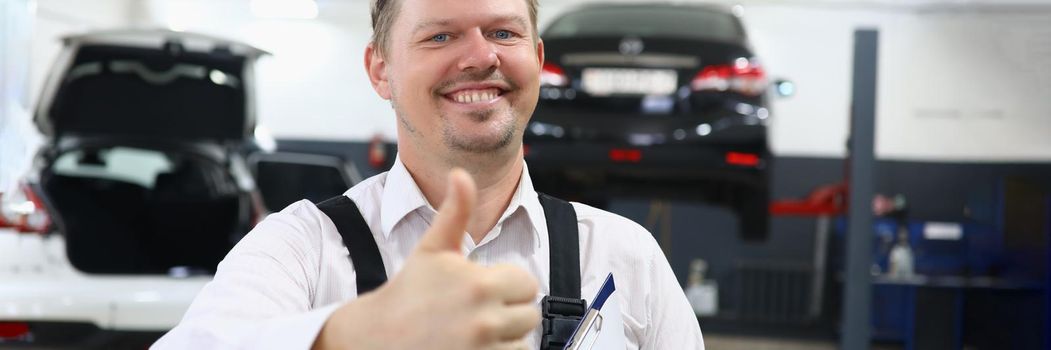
(958, 81)
(58, 18)
(966, 87)
(15, 32)
(812, 47)
(32, 29)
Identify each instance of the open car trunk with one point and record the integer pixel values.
(126, 210)
(151, 85)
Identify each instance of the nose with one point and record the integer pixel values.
(479, 53)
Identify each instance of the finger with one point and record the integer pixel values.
(518, 320)
(447, 230)
(513, 284)
(519, 344)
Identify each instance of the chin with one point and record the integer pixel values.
(481, 144)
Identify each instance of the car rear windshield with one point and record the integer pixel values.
(695, 23)
(124, 164)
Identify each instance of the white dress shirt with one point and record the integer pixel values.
(278, 285)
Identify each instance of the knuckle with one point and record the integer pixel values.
(523, 282)
(485, 329)
(480, 289)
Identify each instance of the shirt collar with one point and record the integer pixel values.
(401, 196)
(526, 197)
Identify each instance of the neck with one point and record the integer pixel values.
(495, 175)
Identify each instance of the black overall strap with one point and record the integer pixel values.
(563, 308)
(357, 236)
(565, 246)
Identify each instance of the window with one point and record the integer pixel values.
(648, 22)
(133, 165)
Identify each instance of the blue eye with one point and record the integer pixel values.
(440, 38)
(503, 34)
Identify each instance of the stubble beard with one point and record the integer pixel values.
(490, 143)
(459, 141)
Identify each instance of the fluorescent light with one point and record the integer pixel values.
(284, 9)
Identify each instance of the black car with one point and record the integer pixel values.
(653, 100)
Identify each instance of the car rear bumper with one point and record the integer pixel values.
(580, 171)
(664, 161)
(107, 302)
(725, 128)
(74, 335)
(50, 289)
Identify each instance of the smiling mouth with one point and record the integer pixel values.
(475, 96)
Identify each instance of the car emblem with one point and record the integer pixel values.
(631, 46)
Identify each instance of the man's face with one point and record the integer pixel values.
(463, 75)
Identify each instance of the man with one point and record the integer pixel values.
(463, 78)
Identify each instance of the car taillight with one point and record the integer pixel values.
(14, 331)
(553, 75)
(3, 218)
(743, 76)
(24, 211)
(628, 155)
(742, 159)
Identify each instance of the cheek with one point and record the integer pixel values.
(524, 70)
(523, 67)
(412, 90)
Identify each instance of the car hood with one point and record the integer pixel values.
(150, 84)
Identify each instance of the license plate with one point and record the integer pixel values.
(611, 81)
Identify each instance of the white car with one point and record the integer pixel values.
(148, 176)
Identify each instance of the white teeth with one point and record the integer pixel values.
(476, 96)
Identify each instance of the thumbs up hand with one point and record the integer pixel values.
(440, 300)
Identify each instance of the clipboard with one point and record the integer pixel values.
(602, 327)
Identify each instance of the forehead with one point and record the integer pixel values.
(413, 14)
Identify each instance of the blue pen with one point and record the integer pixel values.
(591, 325)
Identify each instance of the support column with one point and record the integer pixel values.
(857, 289)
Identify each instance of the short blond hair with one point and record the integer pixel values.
(384, 11)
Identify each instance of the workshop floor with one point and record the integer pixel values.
(720, 342)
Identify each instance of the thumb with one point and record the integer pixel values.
(447, 230)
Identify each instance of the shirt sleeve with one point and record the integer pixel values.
(262, 293)
(672, 323)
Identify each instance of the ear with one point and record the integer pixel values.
(540, 51)
(376, 68)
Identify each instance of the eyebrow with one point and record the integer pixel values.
(518, 20)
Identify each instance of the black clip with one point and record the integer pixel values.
(561, 316)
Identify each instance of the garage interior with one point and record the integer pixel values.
(935, 109)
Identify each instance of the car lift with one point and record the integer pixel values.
(823, 203)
